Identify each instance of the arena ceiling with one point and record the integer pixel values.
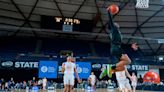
(144, 26)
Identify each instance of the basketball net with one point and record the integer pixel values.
(142, 4)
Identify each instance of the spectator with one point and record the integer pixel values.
(24, 84)
(12, 83)
(40, 82)
(6, 86)
(44, 84)
(33, 80)
(140, 79)
(2, 84)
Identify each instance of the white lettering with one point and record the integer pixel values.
(139, 67)
(35, 64)
(146, 67)
(133, 67)
(26, 64)
(31, 64)
(21, 64)
(17, 65)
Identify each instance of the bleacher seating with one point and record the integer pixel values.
(11, 48)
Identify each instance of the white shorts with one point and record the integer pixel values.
(93, 83)
(44, 84)
(134, 84)
(69, 80)
(124, 84)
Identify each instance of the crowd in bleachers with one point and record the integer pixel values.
(34, 84)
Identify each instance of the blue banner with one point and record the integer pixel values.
(48, 69)
(83, 69)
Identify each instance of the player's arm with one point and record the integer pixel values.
(77, 76)
(89, 78)
(127, 73)
(63, 67)
(111, 23)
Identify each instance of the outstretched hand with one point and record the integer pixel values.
(78, 80)
(108, 9)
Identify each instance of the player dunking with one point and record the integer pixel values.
(69, 68)
(116, 50)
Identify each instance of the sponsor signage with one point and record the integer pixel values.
(139, 67)
(34, 65)
(96, 66)
(7, 64)
(19, 64)
(48, 69)
(26, 64)
(83, 69)
(130, 67)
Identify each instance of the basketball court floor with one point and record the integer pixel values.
(100, 90)
(80, 90)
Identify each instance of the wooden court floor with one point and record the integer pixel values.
(80, 90)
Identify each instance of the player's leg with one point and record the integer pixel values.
(65, 88)
(103, 73)
(128, 86)
(120, 66)
(69, 88)
(66, 82)
(71, 83)
(134, 86)
(93, 85)
(122, 86)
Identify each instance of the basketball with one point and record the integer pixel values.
(151, 77)
(113, 9)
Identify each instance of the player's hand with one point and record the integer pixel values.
(78, 80)
(108, 8)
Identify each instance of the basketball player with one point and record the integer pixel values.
(134, 81)
(44, 83)
(92, 80)
(69, 68)
(122, 80)
(122, 58)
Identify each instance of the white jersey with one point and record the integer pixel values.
(93, 78)
(44, 81)
(134, 79)
(121, 75)
(69, 68)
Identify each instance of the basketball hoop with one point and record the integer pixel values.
(142, 4)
